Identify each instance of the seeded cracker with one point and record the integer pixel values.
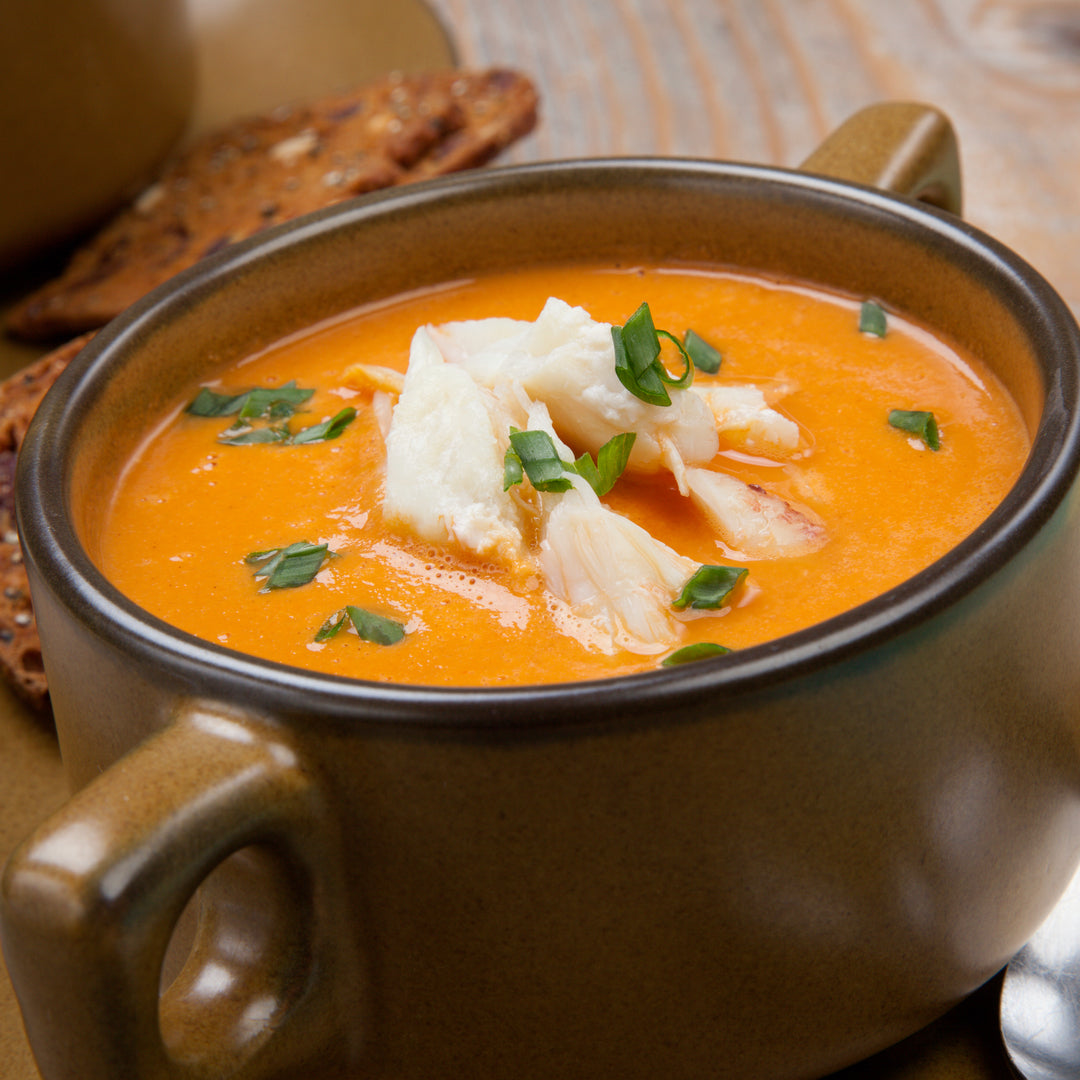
(20, 648)
(269, 169)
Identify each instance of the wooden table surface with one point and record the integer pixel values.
(765, 80)
(747, 80)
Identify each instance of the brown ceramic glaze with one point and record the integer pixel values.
(93, 93)
(763, 866)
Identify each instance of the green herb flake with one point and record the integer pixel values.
(706, 358)
(917, 423)
(269, 404)
(637, 359)
(288, 567)
(273, 402)
(209, 403)
(333, 625)
(872, 319)
(245, 435)
(369, 626)
(610, 462)
(540, 460)
(533, 454)
(709, 587)
(376, 628)
(689, 653)
(260, 403)
(646, 385)
(328, 429)
(512, 471)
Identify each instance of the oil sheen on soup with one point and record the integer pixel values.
(486, 483)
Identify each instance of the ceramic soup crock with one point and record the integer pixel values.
(763, 866)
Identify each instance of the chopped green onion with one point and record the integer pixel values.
(610, 462)
(512, 471)
(709, 587)
(540, 460)
(209, 403)
(368, 625)
(533, 454)
(259, 403)
(687, 377)
(872, 319)
(332, 626)
(705, 357)
(269, 402)
(639, 337)
(917, 423)
(637, 359)
(245, 435)
(643, 383)
(288, 567)
(688, 653)
(376, 628)
(328, 429)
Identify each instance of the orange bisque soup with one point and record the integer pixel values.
(778, 495)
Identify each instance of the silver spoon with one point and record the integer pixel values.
(1040, 996)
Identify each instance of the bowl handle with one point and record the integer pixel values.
(900, 146)
(90, 902)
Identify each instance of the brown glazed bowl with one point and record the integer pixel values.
(760, 867)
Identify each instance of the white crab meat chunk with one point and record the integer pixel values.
(444, 461)
(613, 574)
(746, 420)
(567, 360)
(751, 520)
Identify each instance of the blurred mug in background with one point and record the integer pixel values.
(93, 94)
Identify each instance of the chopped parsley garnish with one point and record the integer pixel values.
(709, 587)
(533, 454)
(705, 357)
(637, 359)
(368, 625)
(872, 319)
(689, 653)
(917, 423)
(288, 567)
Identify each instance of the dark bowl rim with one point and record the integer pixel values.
(212, 671)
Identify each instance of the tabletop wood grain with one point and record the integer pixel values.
(765, 80)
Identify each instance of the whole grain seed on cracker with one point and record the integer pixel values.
(21, 665)
(268, 169)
